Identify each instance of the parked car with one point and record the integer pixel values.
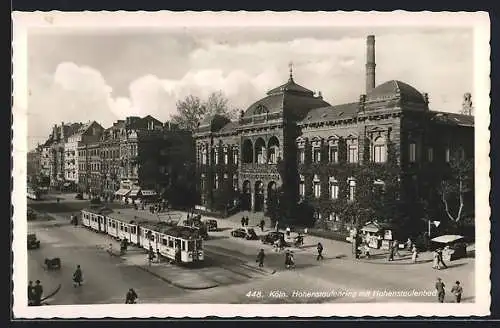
(273, 236)
(79, 196)
(33, 242)
(247, 233)
(211, 224)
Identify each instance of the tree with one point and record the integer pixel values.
(192, 110)
(456, 185)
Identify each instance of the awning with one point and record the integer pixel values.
(447, 239)
(134, 192)
(122, 192)
(148, 193)
(371, 228)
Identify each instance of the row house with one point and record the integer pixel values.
(110, 154)
(52, 159)
(326, 155)
(87, 133)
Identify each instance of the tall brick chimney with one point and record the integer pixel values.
(370, 63)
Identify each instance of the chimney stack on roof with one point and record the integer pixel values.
(370, 63)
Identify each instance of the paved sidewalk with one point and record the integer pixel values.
(377, 256)
(172, 274)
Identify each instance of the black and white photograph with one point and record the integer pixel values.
(330, 164)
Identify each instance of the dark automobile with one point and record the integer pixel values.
(79, 196)
(247, 233)
(211, 225)
(272, 237)
(33, 242)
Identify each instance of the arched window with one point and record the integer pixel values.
(316, 150)
(379, 150)
(317, 186)
(333, 150)
(334, 188)
(226, 156)
(301, 154)
(235, 182)
(204, 156)
(216, 155)
(216, 182)
(302, 186)
(235, 155)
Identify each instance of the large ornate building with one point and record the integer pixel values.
(294, 142)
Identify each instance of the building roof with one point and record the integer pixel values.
(231, 126)
(393, 89)
(291, 86)
(288, 95)
(452, 119)
(331, 113)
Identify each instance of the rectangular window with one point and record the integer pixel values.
(447, 155)
(379, 154)
(302, 156)
(334, 154)
(430, 155)
(183, 245)
(226, 158)
(352, 190)
(302, 189)
(316, 155)
(190, 245)
(216, 157)
(164, 241)
(235, 157)
(170, 243)
(317, 189)
(413, 152)
(353, 154)
(334, 190)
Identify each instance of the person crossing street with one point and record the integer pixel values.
(77, 276)
(260, 258)
(320, 252)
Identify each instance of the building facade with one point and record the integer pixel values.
(87, 133)
(386, 148)
(110, 154)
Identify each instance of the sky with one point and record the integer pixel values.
(106, 75)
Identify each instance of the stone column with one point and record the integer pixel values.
(252, 201)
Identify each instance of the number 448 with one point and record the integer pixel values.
(254, 293)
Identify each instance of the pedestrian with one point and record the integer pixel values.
(391, 251)
(77, 276)
(457, 291)
(243, 221)
(288, 231)
(262, 224)
(151, 255)
(158, 257)
(288, 259)
(320, 252)
(247, 221)
(31, 294)
(409, 244)
(37, 293)
(260, 258)
(440, 290)
(414, 255)
(131, 296)
(435, 260)
(440, 258)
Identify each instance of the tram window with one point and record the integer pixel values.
(183, 245)
(125, 228)
(114, 225)
(152, 237)
(132, 230)
(190, 246)
(177, 243)
(198, 244)
(170, 242)
(164, 241)
(121, 227)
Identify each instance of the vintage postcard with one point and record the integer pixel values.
(251, 164)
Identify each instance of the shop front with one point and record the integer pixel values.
(148, 196)
(376, 235)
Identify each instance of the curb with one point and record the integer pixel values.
(145, 269)
(393, 262)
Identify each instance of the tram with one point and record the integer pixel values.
(177, 243)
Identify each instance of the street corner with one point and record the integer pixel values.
(178, 277)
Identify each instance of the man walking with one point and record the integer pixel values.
(440, 290)
(457, 291)
(77, 276)
(262, 224)
(440, 258)
(243, 221)
(260, 258)
(31, 293)
(320, 252)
